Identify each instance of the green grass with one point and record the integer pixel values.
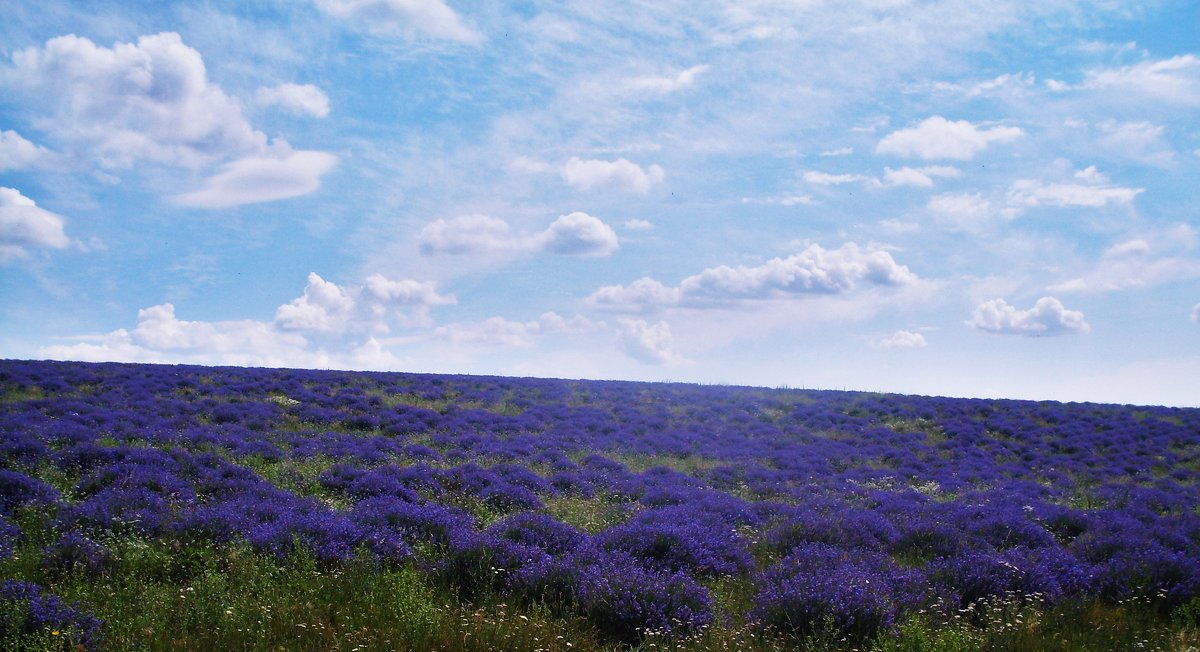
(588, 514)
(160, 595)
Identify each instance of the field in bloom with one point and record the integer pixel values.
(170, 507)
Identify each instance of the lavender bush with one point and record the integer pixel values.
(835, 515)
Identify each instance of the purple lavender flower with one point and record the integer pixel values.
(26, 609)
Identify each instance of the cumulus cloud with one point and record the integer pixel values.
(329, 325)
(300, 99)
(149, 100)
(432, 18)
(16, 153)
(281, 174)
(649, 343)
(326, 307)
(574, 234)
(578, 234)
(937, 137)
(919, 177)
(24, 225)
(159, 329)
(152, 101)
(404, 292)
(668, 83)
(900, 340)
(160, 336)
(1047, 317)
(814, 270)
(1196, 313)
(638, 225)
(620, 174)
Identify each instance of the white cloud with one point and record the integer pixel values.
(638, 225)
(498, 331)
(1091, 175)
(669, 83)
(937, 137)
(1156, 258)
(410, 17)
(900, 340)
(649, 343)
(1139, 141)
(280, 174)
(964, 210)
(159, 329)
(897, 226)
(1196, 313)
(1175, 80)
(641, 294)
(16, 153)
(495, 331)
(327, 326)
(826, 179)
(920, 177)
(528, 164)
(404, 293)
(578, 234)
(300, 99)
(841, 151)
(814, 270)
(1128, 248)
(574, 234)
(620, 174)
(372, 356)
(1028, 193)
(785, 200)
(1047, 317)
(324, 306)
(1131, 269)
(160, 336)
(146, 101)
(152, 101)
(24, 225)
(467, 234)
(1006, 85)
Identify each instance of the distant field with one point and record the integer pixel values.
(171, 507)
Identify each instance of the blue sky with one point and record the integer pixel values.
(955, 197)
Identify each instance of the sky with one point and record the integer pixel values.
(975, 198)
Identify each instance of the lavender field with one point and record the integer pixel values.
(171, 507)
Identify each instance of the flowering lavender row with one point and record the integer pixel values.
(620, 502)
